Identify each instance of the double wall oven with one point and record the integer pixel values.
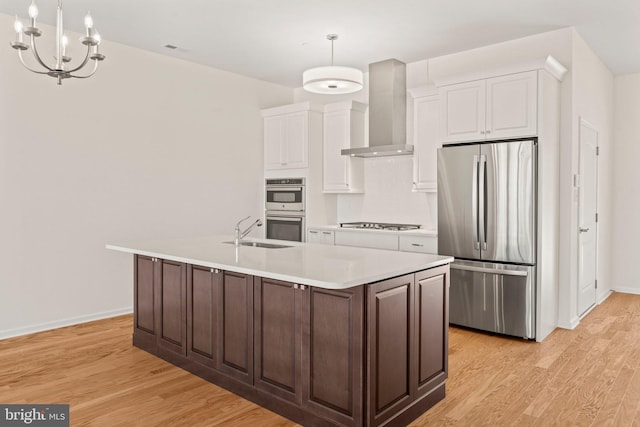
(285, 209)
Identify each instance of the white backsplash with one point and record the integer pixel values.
(388, 197)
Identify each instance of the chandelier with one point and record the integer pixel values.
(60, 70)
(332, 79)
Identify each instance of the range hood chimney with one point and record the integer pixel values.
(387, 112)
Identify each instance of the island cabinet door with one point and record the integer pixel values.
(202, 297)
(144, 304)
(235, 325)
(432, 323)
(391, 367)
(171, 308)
(278, 325)
(333, 354)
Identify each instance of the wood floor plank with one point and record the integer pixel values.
(589, 376)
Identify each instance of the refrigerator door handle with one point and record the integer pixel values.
(488, 270)
(474, 202)
(482, 178)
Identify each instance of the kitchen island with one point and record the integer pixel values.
(323, 335)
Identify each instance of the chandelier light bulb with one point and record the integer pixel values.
(33, 11)
(96, 35)
(17, 25)
(33, 14)
(88, 21)
(65, 43)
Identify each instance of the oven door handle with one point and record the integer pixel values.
(286, 218)
(281, 189)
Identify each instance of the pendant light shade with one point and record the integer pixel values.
(332, 79)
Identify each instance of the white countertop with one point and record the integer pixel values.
(327, 266)
(419, 232)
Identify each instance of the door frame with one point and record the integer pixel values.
(585, 123)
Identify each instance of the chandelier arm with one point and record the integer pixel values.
(95, 68)
(37, 55)
(27, 67)
(86, 59)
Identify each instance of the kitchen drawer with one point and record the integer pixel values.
(324, 237)
(425, 244)
(367, 240)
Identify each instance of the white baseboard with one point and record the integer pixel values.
(571, 324)
(626, 290)
(9, 333)
(601, 298)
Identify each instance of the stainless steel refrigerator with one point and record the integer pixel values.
(487, 221)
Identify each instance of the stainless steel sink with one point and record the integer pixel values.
(260, 244)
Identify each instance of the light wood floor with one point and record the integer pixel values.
(586, 377)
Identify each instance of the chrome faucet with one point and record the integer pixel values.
(240, 234)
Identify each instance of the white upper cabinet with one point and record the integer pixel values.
(426, 111)
(496, 108)
(343, 127)
(286, 136)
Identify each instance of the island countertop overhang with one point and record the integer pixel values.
(327, 266)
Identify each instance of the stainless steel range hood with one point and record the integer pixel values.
(387, 112)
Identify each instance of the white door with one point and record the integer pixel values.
(587, 217)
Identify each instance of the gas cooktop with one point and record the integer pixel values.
(380, 226)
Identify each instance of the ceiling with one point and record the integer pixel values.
(275, 40)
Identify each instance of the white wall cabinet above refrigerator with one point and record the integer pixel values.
(343, 127)
(287, 134)
(426, 111)
(496, 108)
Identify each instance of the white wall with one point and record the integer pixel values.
(625, 257)
(150, 147)
(592, 100)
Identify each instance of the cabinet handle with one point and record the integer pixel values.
(215, 270)
(303, 287)
(488, 131)
(326, 232)
(313, 232)
(417, 244)
(482, 132)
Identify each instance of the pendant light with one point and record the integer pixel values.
(332, 79)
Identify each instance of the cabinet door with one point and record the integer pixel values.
(333, 355)
(235, 325)
(274, 134)
(432, 322)
(512, 106)
(144, 300)
(278, 323)
(296, 141)
(462, 112)
(425, 141)
(172, 311)
(314, 236)
(202, 297)
(336, 132)
(390, 335)
(328, 237)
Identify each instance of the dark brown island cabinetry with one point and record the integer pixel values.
(370, 355)
(160, 301)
